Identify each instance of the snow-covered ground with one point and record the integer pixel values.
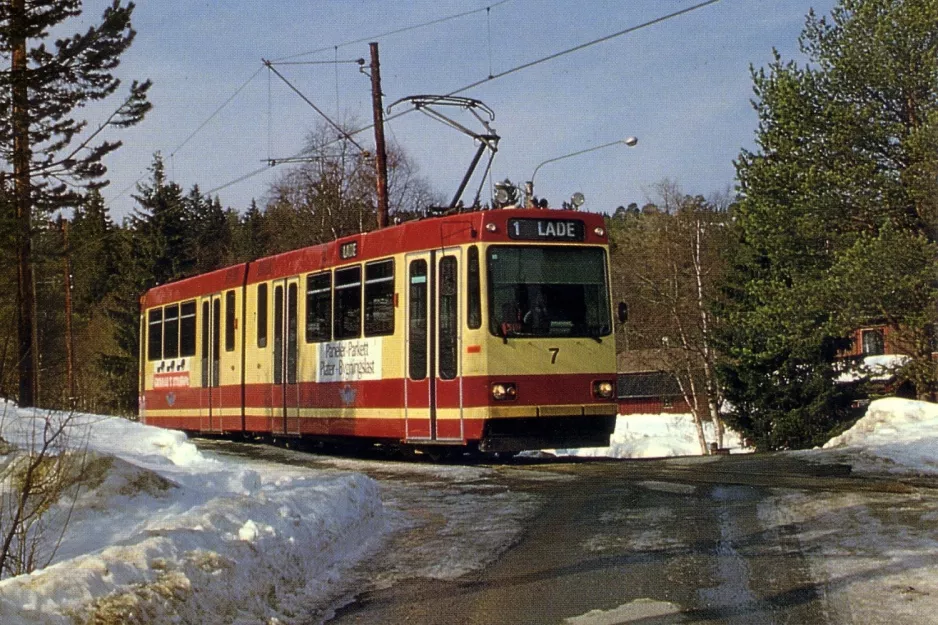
(877, 552)
(162, 520)
(656, 436)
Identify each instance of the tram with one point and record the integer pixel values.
(490, 331)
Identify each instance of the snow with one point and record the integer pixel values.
(166, 533)
(896, 435)
(638, 611)
(874, 368)
(166, 520)
(656, 436)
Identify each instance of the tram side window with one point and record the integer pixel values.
(318, 307)
(206, 317)
(187, 329)
(262, 315)
(417, 319)
(379, 298)
(155, 334)
(347, 316)
(449, 329)
(171, 331)
(229, 321)
(474, 296)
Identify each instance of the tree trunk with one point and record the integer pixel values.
(25, 296)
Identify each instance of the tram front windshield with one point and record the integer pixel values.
(549, 291)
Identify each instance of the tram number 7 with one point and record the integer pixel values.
(553, 354)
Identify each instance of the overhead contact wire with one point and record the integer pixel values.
(394, 32)
(513, 70)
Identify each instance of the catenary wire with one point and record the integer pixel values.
(394, 32)
(513, 70)
(293, 56)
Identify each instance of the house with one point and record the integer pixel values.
(873, 340)
(650, 392)
(875, 352)
(645, 386)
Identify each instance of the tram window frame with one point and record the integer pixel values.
(171, 331)
(448, 318)
(206, 334)
(418, 317)
(187, 326)
(473, 289)
(216, 340)
(155, 338)
(319, 307)
(230, 320)
(347, 303)
(379, 298)
(510, 296)
(263, 300)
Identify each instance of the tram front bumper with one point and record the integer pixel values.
(556, 431)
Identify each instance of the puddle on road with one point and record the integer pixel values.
(732, 568)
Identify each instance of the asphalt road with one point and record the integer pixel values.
(669, 541)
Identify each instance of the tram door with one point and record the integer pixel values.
(433, 379)
(211, 398)
(286, 394)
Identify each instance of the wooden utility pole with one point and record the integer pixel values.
(27, 356)
(69, 340)
(381, 156)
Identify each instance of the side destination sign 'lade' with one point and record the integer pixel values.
(546, 229)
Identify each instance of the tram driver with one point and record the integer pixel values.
(536, 319)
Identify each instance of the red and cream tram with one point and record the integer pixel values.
(488, 330)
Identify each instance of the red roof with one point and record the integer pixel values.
(430, 233)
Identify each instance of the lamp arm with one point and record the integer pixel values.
(560, 158)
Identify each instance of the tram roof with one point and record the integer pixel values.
(410, 236)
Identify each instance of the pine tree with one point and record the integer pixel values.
(848, 150)
(51, 152)
(94, 258)
(161, 228)
(97, 262)
(252, 240)
(119, 365)
(210, 236)
(155, 248)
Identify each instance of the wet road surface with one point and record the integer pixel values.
(672, 541)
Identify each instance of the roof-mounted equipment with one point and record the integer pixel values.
(487, 140)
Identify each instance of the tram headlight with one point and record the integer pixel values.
(602, 389)
(503, 391)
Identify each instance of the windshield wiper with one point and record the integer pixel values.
(594, 333)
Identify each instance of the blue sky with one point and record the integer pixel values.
(682, 87)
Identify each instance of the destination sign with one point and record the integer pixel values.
(348, 250)
(546, 229)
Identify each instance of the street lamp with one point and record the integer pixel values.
(529, 187)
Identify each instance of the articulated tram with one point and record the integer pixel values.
(490, 331)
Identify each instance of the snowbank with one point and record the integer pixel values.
(896, 435)
(162, 524)
(655, 436)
